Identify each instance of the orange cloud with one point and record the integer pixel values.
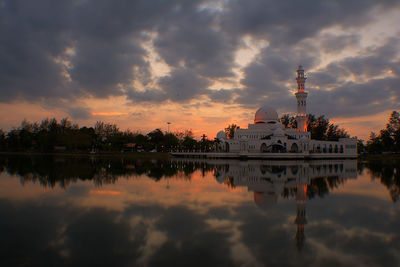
(108, 113)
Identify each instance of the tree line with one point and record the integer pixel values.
(387, 140)
(50, 135)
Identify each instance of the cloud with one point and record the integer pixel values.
(223, 95)
(288, 22)
(191, 39)
(183, 84)
(336, 43)
(375, 90)
(71, 50)
(268, 79)
(355, 99)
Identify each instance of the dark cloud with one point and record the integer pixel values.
(191, 39)
(336, 43)
(323, 79)
(223, 95)
(287, 22)
(73, 49)
(266, 80)
(375, 90)
(183, 85)
(78, 112)
(355, 99)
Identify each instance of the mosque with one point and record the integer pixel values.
(268, 138)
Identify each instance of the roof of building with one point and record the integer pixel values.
(265, 114)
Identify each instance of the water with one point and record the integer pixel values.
(111, 211)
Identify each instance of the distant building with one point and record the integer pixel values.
(268, 138)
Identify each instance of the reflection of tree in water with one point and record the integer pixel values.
(274, 169)
(318, 187)
(229, 181)
(321, 186)
(50, 171)
(388, 172)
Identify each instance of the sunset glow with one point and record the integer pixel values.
(200, 65)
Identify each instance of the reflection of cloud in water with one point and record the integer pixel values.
(104, 192)
(207, 225)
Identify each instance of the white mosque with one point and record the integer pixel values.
(268, 138)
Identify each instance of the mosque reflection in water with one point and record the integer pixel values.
(198, 211)
(270, 180)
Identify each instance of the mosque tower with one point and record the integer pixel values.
(301, 96)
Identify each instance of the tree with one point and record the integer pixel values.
(171, 141)
(374, 144)
(388, 138)
(360, 146)
(393, 129)
(334, 132)
(318, 127)
(230, 130)
(189, 143)
(288, 121)
(2, 140)
(156, 138)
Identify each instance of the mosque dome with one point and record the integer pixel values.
(221, 135)
(266, 114)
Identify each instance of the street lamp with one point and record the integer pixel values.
(168, 125)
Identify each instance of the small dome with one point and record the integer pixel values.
(221, 135)
(244, 137)
(266, 114)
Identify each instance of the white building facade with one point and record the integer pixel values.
(267, 137)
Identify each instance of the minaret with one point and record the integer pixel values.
(301, 96)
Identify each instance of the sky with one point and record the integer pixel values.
(199, 65)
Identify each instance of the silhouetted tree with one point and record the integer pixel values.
(388, 138)
(319, 127)
(230, 130)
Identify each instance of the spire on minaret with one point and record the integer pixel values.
(301, 96)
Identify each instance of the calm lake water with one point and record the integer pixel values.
(88, 211)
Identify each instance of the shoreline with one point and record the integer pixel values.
(159, 155)
(139, 155)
